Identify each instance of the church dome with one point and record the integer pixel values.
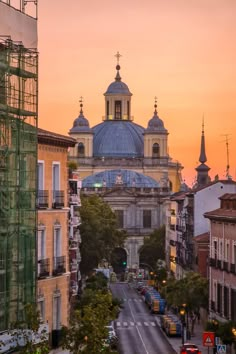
(118, 87)
(112, 178)
(118, 139)
(81, 124)
(155, 124)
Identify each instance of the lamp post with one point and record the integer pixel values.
(188, 334)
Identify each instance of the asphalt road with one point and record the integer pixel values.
(136, 328)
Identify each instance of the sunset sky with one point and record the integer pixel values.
(182, 51)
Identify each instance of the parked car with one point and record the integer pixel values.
(112, 339)
(189, 348)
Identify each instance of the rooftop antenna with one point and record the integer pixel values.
(227, 154)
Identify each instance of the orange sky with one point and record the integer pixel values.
(182, 51)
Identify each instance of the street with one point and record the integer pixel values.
(136, 328)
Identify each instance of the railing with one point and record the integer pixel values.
(75, 199)
(226, 266)
(42, 199)
(218, 264)
(74, 265)
(172, 227)
(213, 262)
(59, 266)
(173, 243)
(43, 268)
(75, 221)
(74, 288)
(58, 199)
(73, 245)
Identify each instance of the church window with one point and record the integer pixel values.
(118, 110)
(107, 109)
(128, 110)
(120, 218)
(155, 150)
(81, 149)
(147, 218)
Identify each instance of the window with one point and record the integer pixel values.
(118, 114)
(147, 218)
(219, 298)
(40, 171)
(41, 244)
(57, 242)
(81, 150)
(41, 308)
(107, 109)
(128, 110)
(215, 249)
(234, 254)
(57, 311)
(120, 218)
(155, 150)
(227, 252)
(56, 177)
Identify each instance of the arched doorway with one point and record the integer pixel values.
(119, 260)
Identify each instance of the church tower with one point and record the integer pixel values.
(118, 98)
(155, 137)
(83, 135)
(202, 170)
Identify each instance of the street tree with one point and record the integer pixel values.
(99, 232)
(153, 248)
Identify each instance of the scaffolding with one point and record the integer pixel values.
(18, 161)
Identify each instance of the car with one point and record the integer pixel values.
(189, 348)
(112, 340)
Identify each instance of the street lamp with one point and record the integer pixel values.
(188, 335)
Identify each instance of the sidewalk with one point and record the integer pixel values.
(176, 342)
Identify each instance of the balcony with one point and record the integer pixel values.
(74, 265)
(58, 199)
(172, 227)
(233, 268)
(75, 199)
(179, 228)
(173, 243)
(75, 221)
(74, 288)
(212, 262)
(59, 266)
(42, 199)
(73, 244)
(218, 264)
(43, 268)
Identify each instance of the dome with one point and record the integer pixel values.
(114, 178)
(81, 124)
(155, 124)
(118, 88)
(118, 138)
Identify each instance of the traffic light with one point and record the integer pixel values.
(124, 263)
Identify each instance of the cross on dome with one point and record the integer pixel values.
(118, 55)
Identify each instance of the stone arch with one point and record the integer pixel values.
(81, 149)
(155, 150)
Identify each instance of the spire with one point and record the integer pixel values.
(202, 157)
(118, 77)
(81, 105)
(155, 106)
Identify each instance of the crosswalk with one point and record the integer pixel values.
(133, 299)
(125, 324)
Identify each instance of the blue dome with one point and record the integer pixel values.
(155, 124)
(81, 124)
(118, 88)
(118, 139)
(112, 178)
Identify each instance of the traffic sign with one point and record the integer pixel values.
(221, 348)
(208, 339)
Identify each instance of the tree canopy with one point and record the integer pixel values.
(99, 232)
(153, 248)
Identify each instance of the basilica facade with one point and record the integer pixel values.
(127, 165)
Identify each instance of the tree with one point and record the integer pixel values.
(99, 232)
(87, 330)
(153, 248)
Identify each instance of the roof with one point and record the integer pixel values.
(229, 214)
(118, 139)
(223, 181)
(118, 88)
(205, 238)
(51, 138)
(81, 124)
(156, 125)
(126, 178)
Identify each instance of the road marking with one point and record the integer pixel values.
(131, 323)
(146, 324)
(139, 324)
(153, 324)
(125, 323)
(118, 324)
(144, 346)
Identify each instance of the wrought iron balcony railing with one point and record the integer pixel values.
(42, 199)
(43, 268)
(58, 199)
(59, 266)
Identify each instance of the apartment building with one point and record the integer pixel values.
(222, 271)
(53, 271)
